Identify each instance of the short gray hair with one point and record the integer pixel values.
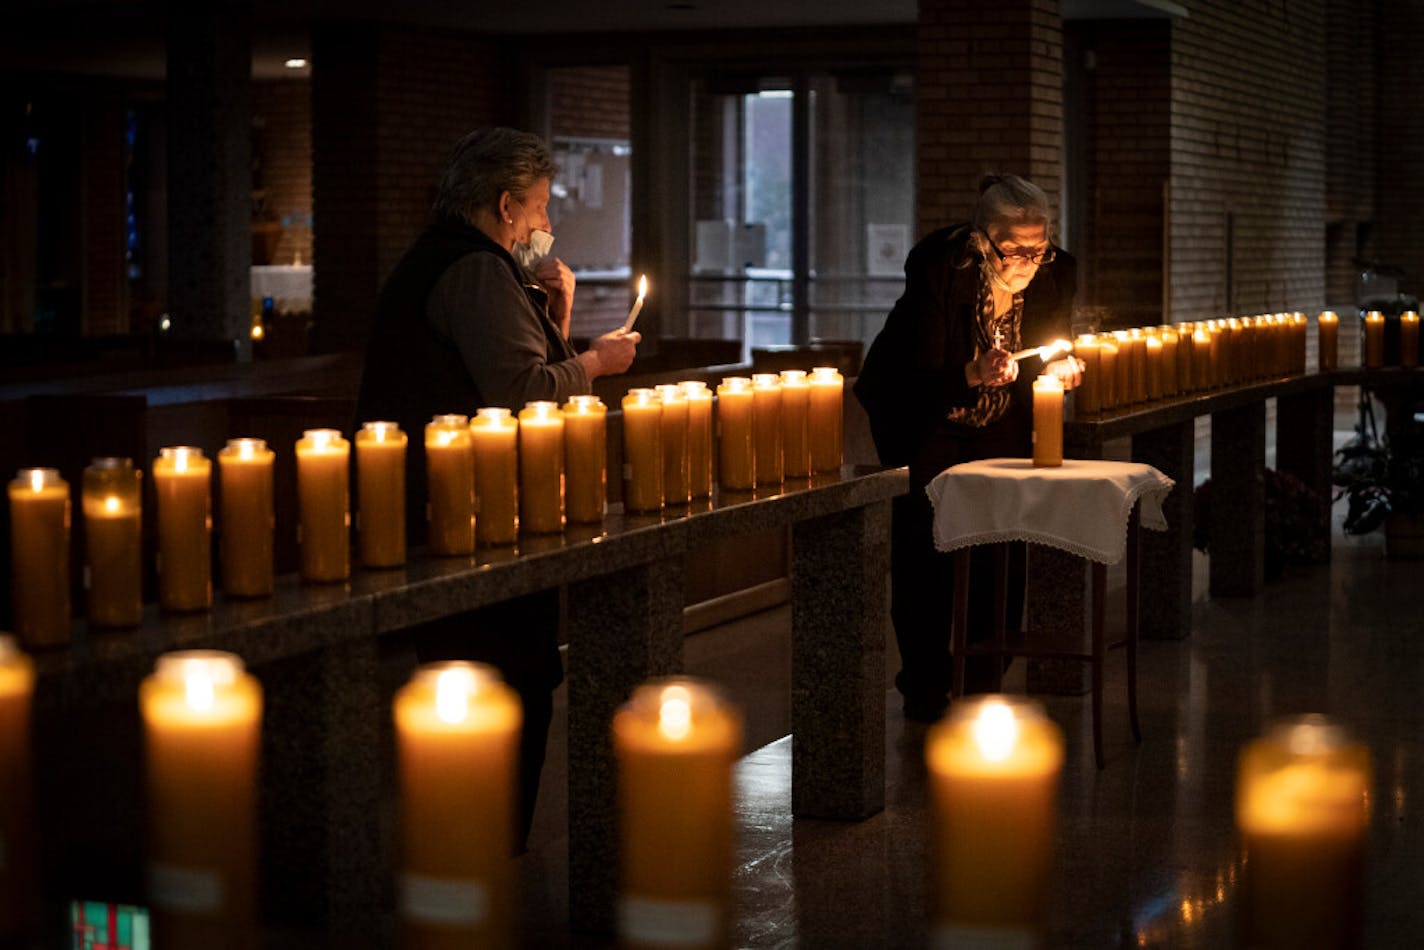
(1009, 201)
(487, 163)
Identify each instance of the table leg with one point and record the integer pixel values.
(1238, 500)
(1134, 615)
(1100, 594)
(959, 620)
(1059, 620)
(624, 628)
(1167, 555)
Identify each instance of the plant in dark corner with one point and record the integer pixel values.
(1381, 478)
(1293, 511)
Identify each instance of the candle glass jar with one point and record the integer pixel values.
(39, 556)
(247, 519)
(182, 485)
(111, 497)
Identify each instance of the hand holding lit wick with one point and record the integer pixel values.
(637, 304)
(1044, 353)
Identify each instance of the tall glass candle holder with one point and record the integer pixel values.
(247, 519)
(111, 497)
(699, 437)
(450, 485)
(324, 505)
(642, 451)
(736, 443)
(585, 459)
(182, 485)
(19, 871)
(39, 556)
(827, 419)
(541, 468)
(380, 494)
(677, 474)
(495, 432)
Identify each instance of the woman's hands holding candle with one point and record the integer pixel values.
(1069, 371)
(558, 279)
(611, 353)
(995, 367)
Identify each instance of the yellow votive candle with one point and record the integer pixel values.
(19, 880)
(994, 765)
(39, 556)
(450, 485)
(675, 742)
(1409, 339)
(826, 420)
(1374, 340)
(202, 717)
(541, 468)
(1186, 357)
(1153, 343)
(677, 462)
(496, 436)
(1108, 371)
(246, 517)
(1327, 327)
(736, 445)
(585, 459)
(182, 485)
(457, 751)
(766, 428)
(113, 546)
(795, 424)
(699, 436)
(380, 494)
(642, 451)
(323, 506)
(1170, 384)
(1087, 398)
(1047, 421)
(1301, 813)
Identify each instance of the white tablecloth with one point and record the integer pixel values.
(1081, 507)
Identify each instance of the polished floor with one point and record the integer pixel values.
(1146, 854)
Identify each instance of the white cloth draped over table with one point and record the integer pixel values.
(1081, 507)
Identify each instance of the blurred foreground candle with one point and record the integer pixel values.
(18, 872)
(994, 766)
(1047, 421)
(541, 468)
(1409, 339)
(642, 451)
(113, 549)
(202, 717)
(496, 437)
(457, 748)
(1328, 340)
(380, 494)
(826, 420)
(675, 741)
(766, 429)
(699, 437)
(39, 556)
(182, 484)
(1301, 813)
(736, 452)
(1374, 340)
(677, 468)
(246, 517)
(585, 458)
(324, 505)
(795, 424)
(1087, 399)
(450, 485)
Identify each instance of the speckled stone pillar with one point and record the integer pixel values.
(838, 585)
(1058, 619)
(1305, 424)
(209, 171)
(623, 629)
(1238, 501)
(1165, 606)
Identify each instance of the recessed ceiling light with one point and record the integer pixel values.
(295, 64)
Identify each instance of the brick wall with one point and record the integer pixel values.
(1400, 194)
(281, 123)
(989, 98)
(1351, 144)
(590, 102)
(1248, 150)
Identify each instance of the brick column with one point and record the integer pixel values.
(989, 97)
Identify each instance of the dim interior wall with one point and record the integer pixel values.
(590, 102)
(282, 154)
(1400, 195)
(1351, 144)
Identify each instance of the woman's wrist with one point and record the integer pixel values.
(971, 374)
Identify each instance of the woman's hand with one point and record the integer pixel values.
(611, 353)
(991, 368)
(1069, 371)
(558, 279)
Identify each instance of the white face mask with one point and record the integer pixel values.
(529, 255)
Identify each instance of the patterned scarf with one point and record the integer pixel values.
(993, 402)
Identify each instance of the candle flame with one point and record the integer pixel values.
(1046, 353)
(180, 461)
(642, 286)
(37, 479)
(995, 731)
(111, 504)
(442, 438)
(675, 714)
(257, 331)
(452, 695)
(245, 450)
(198, 687)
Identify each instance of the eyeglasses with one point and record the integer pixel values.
(1024, 255)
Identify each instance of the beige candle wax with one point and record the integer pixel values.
(246, 517)
(202, 719)
(1186, 357)
(1122, 380)
(457, 753)
(766, 429)
(1374, 340)
(994, 766)
(1138, 369)
(324, 506)
(585, 459)
(541, 468)
(495, 432)
(380, 494)
(1107, 371)
(1409, 339)
(1088, 399)
(642, 451)
(113, 542)
(736, 444)
(1231, 356)
(677, 460)
(795, 424)
(19, 871)
(450, 486)
(1170, 383)
(1299, 330)
(699, 437)
(1327, 329)
(675, 742)
(1301, 814)
(1153, 344)
(1250, 362)
(182, 485)
(827, 418)
(1047, 421)
(1201, 358)
(39, 556)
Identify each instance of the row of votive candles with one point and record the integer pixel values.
(1374, 326)
(993, 765)
(487, 478)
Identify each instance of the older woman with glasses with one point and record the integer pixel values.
(940, 388)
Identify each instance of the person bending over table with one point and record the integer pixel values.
(939, 389)
(477, 314)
